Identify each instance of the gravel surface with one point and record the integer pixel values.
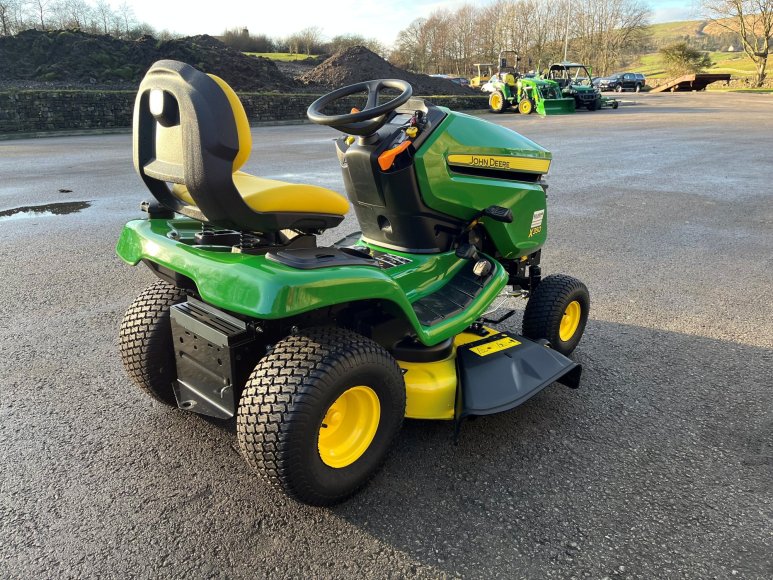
(659, 466)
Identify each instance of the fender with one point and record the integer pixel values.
(260, 288)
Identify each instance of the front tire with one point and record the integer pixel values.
(525, 107)
(619, 89)
(145, 341)
(557, 311)
(319, 413)
(496, 102)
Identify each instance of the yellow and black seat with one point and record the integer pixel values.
(191, 138)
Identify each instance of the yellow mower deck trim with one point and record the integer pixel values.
(430, 388)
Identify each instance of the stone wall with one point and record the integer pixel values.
(41, 111)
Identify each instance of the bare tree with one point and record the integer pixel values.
(104, 15)
(126, 17)
(309, 38)
(752, 21)
(41, 8)
(5, 18)
(598, 31)
(73, 13)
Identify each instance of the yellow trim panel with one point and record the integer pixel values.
(501, 162)
(496, 346)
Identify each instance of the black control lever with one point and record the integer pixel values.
(466, 251)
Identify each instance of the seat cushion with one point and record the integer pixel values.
(269, 195)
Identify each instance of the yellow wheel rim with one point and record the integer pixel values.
(525, 107)
(349, 427)
(496, 101)
(570, 321)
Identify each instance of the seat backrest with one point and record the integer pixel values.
(191, 129)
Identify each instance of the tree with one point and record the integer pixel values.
(752, 21)
(41, 9)
(344, 41)
(309, 38)
(679, 59)
(103, 12)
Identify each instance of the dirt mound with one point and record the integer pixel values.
(80, 58)
(358, 64)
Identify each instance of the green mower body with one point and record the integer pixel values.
(320, 352)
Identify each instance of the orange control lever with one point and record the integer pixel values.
(387, 158)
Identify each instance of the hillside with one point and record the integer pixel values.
(703, 34)
(700, 34)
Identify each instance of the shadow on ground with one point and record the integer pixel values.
(660, 464)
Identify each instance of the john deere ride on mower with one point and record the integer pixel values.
(509, 88)
(320, 352)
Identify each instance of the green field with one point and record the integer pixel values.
(282, 56)
(665, 33)
(735, 63)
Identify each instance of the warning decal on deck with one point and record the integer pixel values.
(495, 346)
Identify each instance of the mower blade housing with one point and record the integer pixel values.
(505, 370)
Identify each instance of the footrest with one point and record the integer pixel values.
(452, 298)
(504, 370)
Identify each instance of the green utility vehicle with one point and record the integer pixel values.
(575, 82)
(320, 352)
(509, 88)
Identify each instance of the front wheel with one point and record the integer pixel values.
(557, 311)
(619, 89)
(319, 414)
(525, 106)
(496, 102)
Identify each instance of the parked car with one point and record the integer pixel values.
(461, 81)
(621, 82)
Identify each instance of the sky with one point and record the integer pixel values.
(378, 19)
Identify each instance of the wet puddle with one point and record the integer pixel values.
(49, 209)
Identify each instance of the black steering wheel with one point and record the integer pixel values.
(371, 118)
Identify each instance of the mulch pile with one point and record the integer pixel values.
(87, 59)
(75, 59)
(357, 64)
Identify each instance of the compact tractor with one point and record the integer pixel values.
(510, 89)
(321, 352)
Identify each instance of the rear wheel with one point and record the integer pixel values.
(525, 106)
(638, 88)
(557, 311)
(319, 414)
(496, 102)
(145, 341)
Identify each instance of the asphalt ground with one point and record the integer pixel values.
(659, 466)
